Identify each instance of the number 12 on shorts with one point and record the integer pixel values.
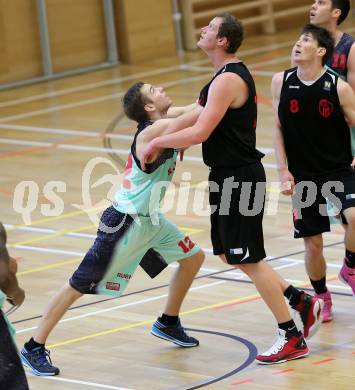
(186, 244)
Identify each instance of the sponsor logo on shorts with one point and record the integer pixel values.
(113, 286)
(350, 196)
(124, 276)
(239, 251)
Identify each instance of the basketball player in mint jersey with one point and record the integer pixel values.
(226, 127)
(132, 231)
(329, 14)
(313, 108)
(12, 375)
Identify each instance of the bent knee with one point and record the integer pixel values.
(350, 218)
(314, 246)
(196, 259)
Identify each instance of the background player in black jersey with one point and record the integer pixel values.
(329, 14)
(226, 123)
(12, 375)
(312, 142)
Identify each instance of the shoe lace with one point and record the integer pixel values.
(278, 345)
(43, 357)
(180, 333)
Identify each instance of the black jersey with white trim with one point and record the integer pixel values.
(232, 142)
(316, 135)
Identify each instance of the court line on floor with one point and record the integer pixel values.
(75, 381)
(99, 99)
(62, 232)
(166, 285)
(154, 298)
(57, 146)
(116, 80)
(77, 259)
(92, 134)
(103, 98)
(123, 306)
(147, 73)
(235, 301)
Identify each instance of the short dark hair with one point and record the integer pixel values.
(344, 6)
(232, 29)
(133, 103)
(324, 39)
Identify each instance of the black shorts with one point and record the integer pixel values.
(313, 219)
(12, 374)
(237, 198)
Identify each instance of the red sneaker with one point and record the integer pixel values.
(287, 347)
(310, 309)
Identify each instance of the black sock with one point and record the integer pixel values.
(289, 327)
(319, 285)
(293, 295)
(350, 258)
(168, 320)
(31, 345)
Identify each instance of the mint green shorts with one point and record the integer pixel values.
(121, 244)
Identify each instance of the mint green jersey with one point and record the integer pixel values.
(2, 298)
(142, 191)
(9, 325)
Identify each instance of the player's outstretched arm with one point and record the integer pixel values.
(174, 112)
(221, 95)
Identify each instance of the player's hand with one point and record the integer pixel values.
(287, 182)
(147, 154)
(17, 297)
(353, 163)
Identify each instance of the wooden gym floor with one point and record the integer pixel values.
(52, 132)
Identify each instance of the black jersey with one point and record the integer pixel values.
(166, 154)
(316, 135)
(232, 143)
(339, 61)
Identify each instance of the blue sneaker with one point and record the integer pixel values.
(38, 361)
(174, 333)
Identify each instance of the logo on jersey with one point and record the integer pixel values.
(326, 108)
(327, 86)
(294, 86)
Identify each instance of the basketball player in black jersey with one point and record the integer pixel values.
(225, 124)
(313, 110)
(329, 14)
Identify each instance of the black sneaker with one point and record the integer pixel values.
(174, 333)
(38, 361)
